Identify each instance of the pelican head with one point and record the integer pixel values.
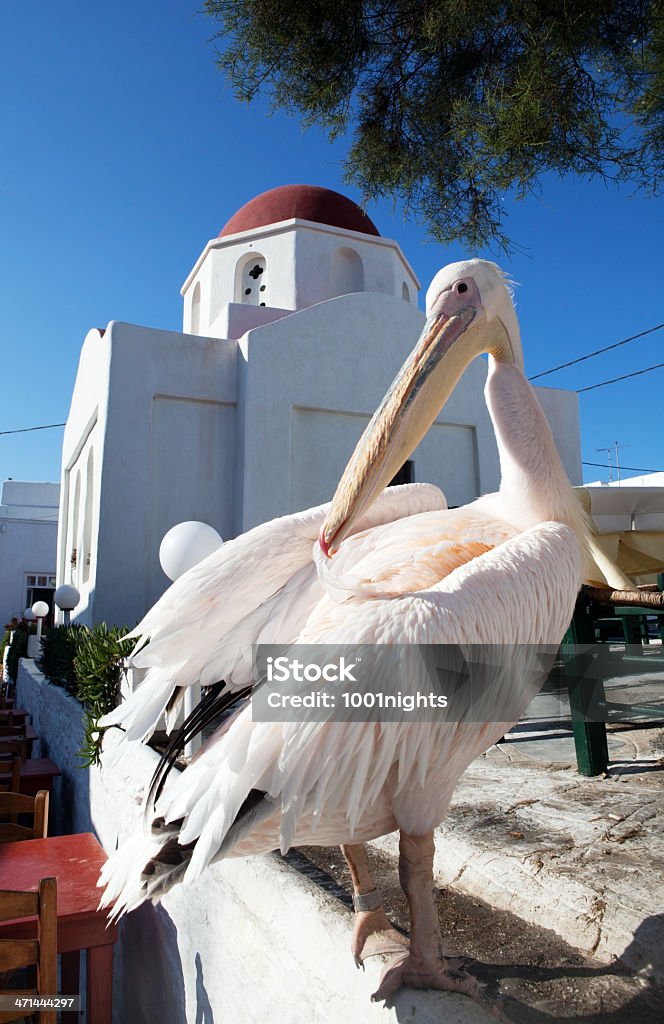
(469, 312)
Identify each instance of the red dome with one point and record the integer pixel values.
(306, 202)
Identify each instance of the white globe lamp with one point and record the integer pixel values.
(185, 545)
(39, 611)
(66, 597)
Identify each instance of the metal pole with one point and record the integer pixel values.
(608, 455)
(618, 445)
(192, 697)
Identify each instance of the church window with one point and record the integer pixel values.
(347, 272)
(73, 562)
(87, 521)
(251, 280)
(405, 293)
(196, 309)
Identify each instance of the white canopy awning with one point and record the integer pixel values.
(630, 525)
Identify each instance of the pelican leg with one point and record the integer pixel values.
(423, 966)
(373, 934)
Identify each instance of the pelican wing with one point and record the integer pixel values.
(262, 582)
(258, 785)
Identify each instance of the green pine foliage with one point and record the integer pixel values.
(98, 667)
(88, 664)
(58, 650)
(450, 105)
(18, 648)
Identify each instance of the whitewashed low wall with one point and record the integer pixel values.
(58, 721)
(253, 940)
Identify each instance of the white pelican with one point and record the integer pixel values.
(400, 569)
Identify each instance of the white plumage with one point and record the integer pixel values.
(504, 570)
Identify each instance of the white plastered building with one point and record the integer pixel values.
(28, 536)
(296, 319)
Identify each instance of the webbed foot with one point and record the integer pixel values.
(435, 973)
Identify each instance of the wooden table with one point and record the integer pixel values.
(76, 862)
(36, 773)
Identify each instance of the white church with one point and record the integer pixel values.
(296, 320)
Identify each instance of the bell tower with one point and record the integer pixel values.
(285, 250)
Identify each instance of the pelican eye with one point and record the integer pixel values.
(461, 288)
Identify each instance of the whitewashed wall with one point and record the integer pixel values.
(28, 539)
(156, 413)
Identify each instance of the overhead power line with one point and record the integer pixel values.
(634, 469)
(26, 430)
(607, 348)
(625, 376)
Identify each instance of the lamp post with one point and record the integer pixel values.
(32, 645)
(66, 597)
(183, 547)
(38, 611)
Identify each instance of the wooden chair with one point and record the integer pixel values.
(13, 804)
(14, 731)
(10, 774)
(41, 952)
(15, 746)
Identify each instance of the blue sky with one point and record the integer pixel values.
(123, 153)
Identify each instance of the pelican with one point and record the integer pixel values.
(389, 567)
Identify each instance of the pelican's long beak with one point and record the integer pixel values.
(423, 385)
